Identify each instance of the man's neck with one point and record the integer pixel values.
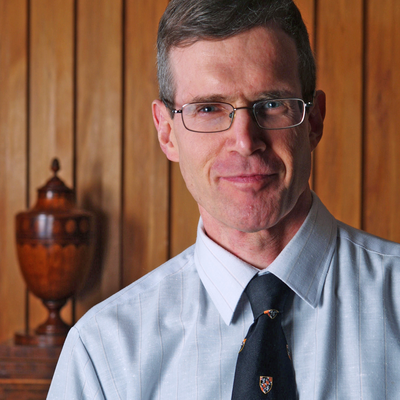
(262, 247)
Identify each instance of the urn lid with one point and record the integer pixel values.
(55, 194)
(55, 218)
(55, 184)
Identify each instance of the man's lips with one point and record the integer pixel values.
(249, 178)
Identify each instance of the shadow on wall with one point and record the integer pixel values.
(89, 292)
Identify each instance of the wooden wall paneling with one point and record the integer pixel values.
(382, 138)
(98, 138)
(51, 99)
(339, 45)
(13, 177)
(146, 171)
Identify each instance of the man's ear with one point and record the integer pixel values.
(316, 118)
(163, 123)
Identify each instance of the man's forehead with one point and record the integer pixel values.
(259, 33)
(262, 53)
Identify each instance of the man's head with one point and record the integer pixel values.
(252, 174)
(187, 21)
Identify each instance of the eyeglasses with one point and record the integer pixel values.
(211, 117)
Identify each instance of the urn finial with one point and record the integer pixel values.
(55, 166)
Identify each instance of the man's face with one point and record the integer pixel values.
(245, 178)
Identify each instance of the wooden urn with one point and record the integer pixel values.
(55, 243)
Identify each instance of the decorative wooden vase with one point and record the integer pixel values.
(55, 248)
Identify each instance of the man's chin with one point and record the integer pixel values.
(251, 223)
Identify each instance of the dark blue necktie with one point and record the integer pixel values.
(264, 369)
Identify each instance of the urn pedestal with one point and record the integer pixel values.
(55, 243)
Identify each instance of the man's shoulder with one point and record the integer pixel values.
(169, 275)
(368, 242)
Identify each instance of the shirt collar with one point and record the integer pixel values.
(302, 265)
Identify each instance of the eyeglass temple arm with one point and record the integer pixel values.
(311, 103)
(171, 110)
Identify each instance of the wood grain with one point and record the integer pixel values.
(13, 161)
(31, 390)
(146, 179)
(381, 214)
(51, 90)
(339, 45)
(98, 138)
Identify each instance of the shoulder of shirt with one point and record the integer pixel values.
(367, 241)
(146, 283)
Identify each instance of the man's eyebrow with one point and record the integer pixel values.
(276, 94)
(271, 94)
(209, 99)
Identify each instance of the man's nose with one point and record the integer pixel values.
(246, 136)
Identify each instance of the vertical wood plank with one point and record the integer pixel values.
(99, 110)
(50, 100)
(339, 44)
(51, 90)
(146, 180)
(381, 214)
(13, 148)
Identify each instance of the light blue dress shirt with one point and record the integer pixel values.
(176, 332)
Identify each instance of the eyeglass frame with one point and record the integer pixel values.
(306, 106)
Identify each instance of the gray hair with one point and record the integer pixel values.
(185, 22)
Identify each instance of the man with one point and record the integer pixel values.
(242, 77)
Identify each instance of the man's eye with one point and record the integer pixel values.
(272, 104)
(209, 108)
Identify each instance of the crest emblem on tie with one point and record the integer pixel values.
(266, 384)
(271, 313)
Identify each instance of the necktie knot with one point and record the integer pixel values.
(267, 295)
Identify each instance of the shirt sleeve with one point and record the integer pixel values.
(75, 376)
